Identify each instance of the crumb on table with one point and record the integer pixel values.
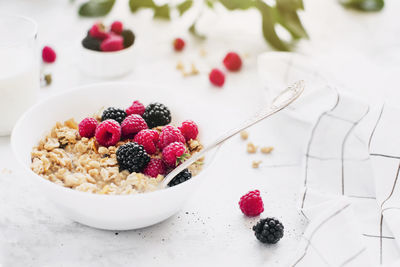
(251, 148)
(266, 149)
(256, 163)
(244, 135)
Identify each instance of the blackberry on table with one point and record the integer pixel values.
(132, 157)
(157, 114)
(129, 38)
(183, 176)
(91, 43)
(114, 113)
(268, 230)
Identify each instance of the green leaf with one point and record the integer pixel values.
(237, 4)
(210, 3)
(193, 30)
(286, 15)
(184, 6)
(268, 26)
(135, 5)
(96, 8)
(364, 5)
(162, 12)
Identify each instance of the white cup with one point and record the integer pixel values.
(19, 69)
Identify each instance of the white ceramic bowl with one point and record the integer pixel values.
(113, 212)
(106, 64)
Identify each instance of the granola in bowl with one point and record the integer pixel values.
(120, 152)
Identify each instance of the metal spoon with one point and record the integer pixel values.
(280, 102)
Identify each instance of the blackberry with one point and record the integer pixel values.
(91, 43)
(183, 176)
(132, 157)
(129, 38)
(268, 230)
(114, 114)
(157, 114)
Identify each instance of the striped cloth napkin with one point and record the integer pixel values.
(350, 194)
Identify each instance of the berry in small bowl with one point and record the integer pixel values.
(106, 52)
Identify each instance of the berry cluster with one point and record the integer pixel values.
(149, 145)
(268, 230)
(114, 39)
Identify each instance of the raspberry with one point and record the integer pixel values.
(148, 139)
(189, 130)
(179, 44)
(154, 168)
(217, 77)
(136, 108)
(132, 157)
(129, 38)
(170, 134)
(108, 133)
(87, 127)
(268, 230)
(112, 43)
(98, 31)
(183, 176)
(232, 61)
(157, 114)
(251, 204)
(174, 154)
(132, 125)
(48, 54)
(117, 27)
(116, 114)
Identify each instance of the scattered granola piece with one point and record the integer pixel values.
(244, 135)
(203, 52)
(266, 149)
(180, 66)
(256, 164)
(195, 71)
(251, 148)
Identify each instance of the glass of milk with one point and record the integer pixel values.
(19, 69)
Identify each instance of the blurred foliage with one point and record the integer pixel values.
(364, 5)
(283, 13)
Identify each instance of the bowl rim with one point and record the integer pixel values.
(13, 142)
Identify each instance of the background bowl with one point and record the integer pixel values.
(106, 64)
(112, 212)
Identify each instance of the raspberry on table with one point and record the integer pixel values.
(179, 44)
(154, 168)
(148, 139)
(217, 77)
(116, 114)
(168, 135)
(112, 43)
(269, 230)
(108, 133)
(117, 27)
(174, 154)
(183, 176)
(129, 38)
(157, 114)
(189, 130)
(131, 125)
(232, 61)
(48, 54)
(251, 204)
(98, 31)
(136, 108)
(87, 127)
(132, 157)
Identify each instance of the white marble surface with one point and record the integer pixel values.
(362, 51)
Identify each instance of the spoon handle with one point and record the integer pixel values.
(285, 98)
